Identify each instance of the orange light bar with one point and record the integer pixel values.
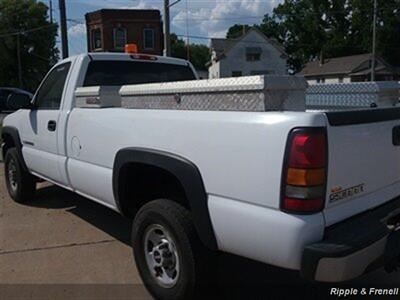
(305, 177)
(131, 48)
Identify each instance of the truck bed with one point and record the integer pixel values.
(364, 168)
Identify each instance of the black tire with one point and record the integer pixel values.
(196, 263)
(22, 185)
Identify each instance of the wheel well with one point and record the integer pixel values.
(141, 183)
(8, 143)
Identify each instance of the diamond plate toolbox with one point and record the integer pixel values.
(97, 97)
(251, 93)
(345, 96)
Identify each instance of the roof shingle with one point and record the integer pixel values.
(338, 65)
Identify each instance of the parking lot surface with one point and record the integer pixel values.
(63, 246)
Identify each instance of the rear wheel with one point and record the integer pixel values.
(172, 261)
(21, 185)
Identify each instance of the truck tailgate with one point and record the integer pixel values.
(364, 161)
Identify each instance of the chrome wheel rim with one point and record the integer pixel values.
(12, 175)
(161, 256)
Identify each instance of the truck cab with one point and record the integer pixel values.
(43, 130)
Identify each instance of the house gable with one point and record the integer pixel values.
(252, 54)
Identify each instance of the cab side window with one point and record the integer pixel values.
(50, 93)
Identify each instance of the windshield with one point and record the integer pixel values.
(134, 72)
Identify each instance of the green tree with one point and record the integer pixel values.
(199, 54)
(388, 27)
(237, 31)
(303, 27)
(331, 28)
(178, 47)
(26, 20)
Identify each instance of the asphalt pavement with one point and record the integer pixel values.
(63, 246)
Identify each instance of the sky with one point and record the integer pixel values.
(200, 19)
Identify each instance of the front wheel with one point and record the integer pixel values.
(21, 185)
(171, 259)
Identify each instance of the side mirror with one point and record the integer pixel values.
(19, 101)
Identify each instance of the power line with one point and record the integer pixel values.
(260, 42)
(337, 12)
(76, 21)
(27, 30)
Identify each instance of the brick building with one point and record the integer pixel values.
(108, 30)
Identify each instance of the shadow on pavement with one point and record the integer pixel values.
(238, 278)
(95, 214)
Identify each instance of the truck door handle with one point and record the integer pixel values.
(51, 126)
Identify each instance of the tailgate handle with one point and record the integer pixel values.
(396, 136)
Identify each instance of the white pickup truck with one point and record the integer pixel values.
(316, 192)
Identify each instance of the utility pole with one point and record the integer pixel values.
(187, 32)
(19, 61)
(374, 42)
(63, 25)
(167, 35)
(51, 10)
(167, 38)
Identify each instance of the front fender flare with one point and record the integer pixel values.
(14, 134)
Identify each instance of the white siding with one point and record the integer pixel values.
(332, 80)
(322, 79)
(235, 60)
(214, 70)
(346, 79)
(312, 81)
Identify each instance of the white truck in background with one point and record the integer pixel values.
(205, 166)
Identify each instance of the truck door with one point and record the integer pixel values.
(40, 125)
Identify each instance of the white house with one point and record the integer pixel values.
(251, 54)
(345, 69)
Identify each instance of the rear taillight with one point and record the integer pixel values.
(304, 171)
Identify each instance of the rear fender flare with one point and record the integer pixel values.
(184, 170)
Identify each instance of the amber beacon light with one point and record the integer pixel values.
(131, 48)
